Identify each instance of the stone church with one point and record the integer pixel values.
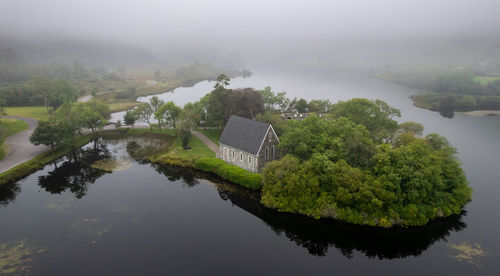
(248, 144)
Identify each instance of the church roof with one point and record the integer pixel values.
(244, 134)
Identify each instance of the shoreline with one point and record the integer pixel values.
(479, 113)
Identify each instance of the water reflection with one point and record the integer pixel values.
(317, 236)
(8, 193)
(76, 172)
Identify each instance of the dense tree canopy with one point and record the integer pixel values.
(54, 133)
(377, 116)
(335, 167)
(53, 92)
(92, 115)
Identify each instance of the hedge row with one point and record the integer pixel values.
(229, 172)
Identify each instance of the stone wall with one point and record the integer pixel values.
(239, 158)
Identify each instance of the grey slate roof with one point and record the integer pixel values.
(244, 134)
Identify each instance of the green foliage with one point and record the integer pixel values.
(129, 118)
(411, 127)
(336, 139)
(229, 172)
(3, 104)
(377, 116)
(462, 82)
(9, 127)
(447, 104)
(54, 133)
(494, 87)
(222, 82)
(168, 114)
(334, 168)
(185, 136)
(53, 92)
(274, 101)
(92, 115)
(143, 113)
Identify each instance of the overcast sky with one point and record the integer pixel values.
(248, 25)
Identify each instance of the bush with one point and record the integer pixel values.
(229, 172)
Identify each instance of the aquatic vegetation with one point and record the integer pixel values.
(469, 253)
(111, 165)
(92, 229)
(16, 257)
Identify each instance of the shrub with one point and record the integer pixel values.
(229, 172)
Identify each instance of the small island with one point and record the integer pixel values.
(358, 165)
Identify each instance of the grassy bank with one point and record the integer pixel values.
(10, 127)
(37, 163)
(35, 112)
(201, 158)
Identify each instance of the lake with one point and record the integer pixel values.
(73, 218)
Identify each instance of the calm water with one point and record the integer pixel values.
(74, 219)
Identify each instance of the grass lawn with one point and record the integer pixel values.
(122, 106)
(485, 80)
(212, 134)
(35, 112)
(197, 149)
(10, 126)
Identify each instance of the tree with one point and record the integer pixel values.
(193, 115)
(301, 106)
(144, 113)
(377, 116)
(155, 104)
(319, 106)
(411, 127)
(92, 115)
(222, 82)
(54, 133)
(218, 107)
(246, 103)
(53, 92)
(168, 114)
(274, 101)
(3, 104)
(157, 75)
(129, 118)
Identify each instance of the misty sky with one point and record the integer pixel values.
(210, 21)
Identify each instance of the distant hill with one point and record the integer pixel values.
(92, 53)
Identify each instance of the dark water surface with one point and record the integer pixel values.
(73, 218)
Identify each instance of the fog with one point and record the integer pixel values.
(261, 30)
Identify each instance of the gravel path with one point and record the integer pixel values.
(20, 147)
(211, 145)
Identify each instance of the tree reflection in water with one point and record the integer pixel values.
(76, 172)
(8, 192)
(317, 236)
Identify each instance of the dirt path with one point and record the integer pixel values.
(20, 147)
(211, 145)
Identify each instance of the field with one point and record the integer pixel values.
(10, 126)
(485, 80)
(35, 112)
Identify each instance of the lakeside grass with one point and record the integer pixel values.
(484, 81)
(20, 171)
(36, 112)
(122, 106)
(11, 127)
(212, 134)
